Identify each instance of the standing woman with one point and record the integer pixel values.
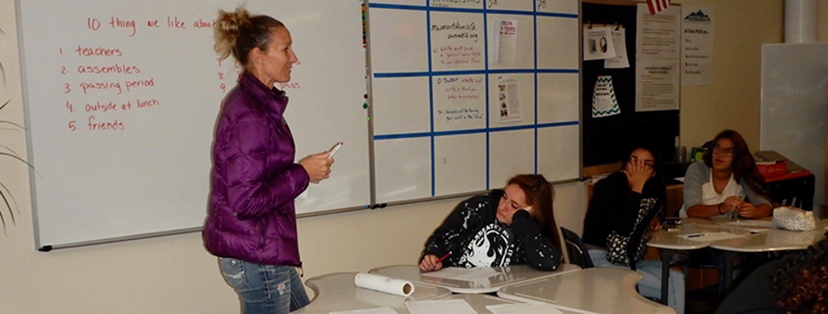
(251, 220)
(623, 207)
(727, 182)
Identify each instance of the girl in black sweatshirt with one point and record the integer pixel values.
(506, 227)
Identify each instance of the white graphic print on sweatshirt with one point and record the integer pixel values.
(493, 245)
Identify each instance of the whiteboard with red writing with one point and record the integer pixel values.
(121, 101)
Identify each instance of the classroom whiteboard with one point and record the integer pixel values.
(793, 106)
(121, 99)
(466, 94)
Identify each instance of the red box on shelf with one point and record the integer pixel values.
(770, 170)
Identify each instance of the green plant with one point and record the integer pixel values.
(9, 204)
(2, 69)
(5, 193)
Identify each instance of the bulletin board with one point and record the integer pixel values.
(606, 139)
(467, 94)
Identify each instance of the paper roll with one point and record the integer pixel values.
(384, 284)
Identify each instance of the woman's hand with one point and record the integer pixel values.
(318, 166)
(430, 263)
(508, 218)
(654, 224)
(747, 210)
(732, 203)
(637, 174)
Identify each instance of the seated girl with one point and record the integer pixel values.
(505, 227)
(622, 209)
(726, 182)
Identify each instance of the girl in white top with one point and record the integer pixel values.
(711, 188)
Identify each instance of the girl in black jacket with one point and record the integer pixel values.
(515, 225)
(622, 209)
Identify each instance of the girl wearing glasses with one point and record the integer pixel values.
(622, 209)
(511, 226)
(726, 183)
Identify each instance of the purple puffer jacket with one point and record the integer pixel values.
(251, 215)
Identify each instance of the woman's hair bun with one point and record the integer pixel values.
(226, 30)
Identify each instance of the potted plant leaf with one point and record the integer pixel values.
(8, 205)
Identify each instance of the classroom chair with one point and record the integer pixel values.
(576, 249)
(578, 253)
(796, 192)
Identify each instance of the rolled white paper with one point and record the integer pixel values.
(384, 284)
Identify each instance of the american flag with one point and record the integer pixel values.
(657, 6)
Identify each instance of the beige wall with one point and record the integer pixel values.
(732, 102)
(175, 275)
(822, 20)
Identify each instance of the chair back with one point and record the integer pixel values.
(797, 192)
(577, 250)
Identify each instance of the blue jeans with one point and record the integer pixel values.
(264, 289)
(650, 285)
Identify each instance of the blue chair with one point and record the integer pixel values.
(577, 250)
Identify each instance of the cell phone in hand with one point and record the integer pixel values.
(334, 149)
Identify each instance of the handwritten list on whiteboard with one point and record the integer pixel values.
(122, 98)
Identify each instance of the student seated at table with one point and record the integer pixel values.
(797, 283)
(726, 182)
(505, 227)
(623, 207)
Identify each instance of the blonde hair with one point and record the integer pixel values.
(238, 32)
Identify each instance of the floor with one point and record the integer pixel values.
(702, 301)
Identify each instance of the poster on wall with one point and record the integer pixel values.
(657, 51)
(508, 98)
(604, 103)
(619, 41)
(505, 40)
(598, 43)
(697, 35)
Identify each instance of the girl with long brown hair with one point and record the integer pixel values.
(513, 225)
(726, 182)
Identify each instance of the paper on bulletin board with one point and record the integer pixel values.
(697, 46)
(619, 42)
(505, 40)
(658, 62)
(508, 99)
(604, 102)
(598, 43)
(657, 85)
